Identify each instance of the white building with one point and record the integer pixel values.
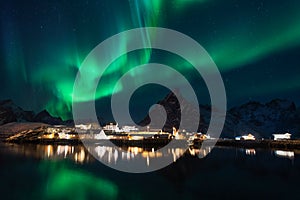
(84, 126)
(285, 136)
(112, 127)
(129, 128)
(245, 137)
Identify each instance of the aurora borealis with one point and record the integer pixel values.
(255, 44)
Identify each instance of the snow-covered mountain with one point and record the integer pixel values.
(261, 120)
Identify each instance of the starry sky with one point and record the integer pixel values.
(255, 44)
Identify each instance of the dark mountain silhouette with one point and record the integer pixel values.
(45, 117)
(174, 107)
(10, 112)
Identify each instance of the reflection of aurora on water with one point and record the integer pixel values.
(47, 178)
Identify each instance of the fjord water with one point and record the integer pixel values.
(69, 172)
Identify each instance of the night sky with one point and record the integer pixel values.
(255, 44)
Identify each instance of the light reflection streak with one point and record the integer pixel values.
(76, 153)
(250, 152)
(284, 154)
(114, 154)
(107, 154)
(200, 152)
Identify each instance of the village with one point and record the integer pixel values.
(146, 136)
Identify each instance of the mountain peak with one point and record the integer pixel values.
(10, 112)
(281, 104)
(174, 104)
(45, 117)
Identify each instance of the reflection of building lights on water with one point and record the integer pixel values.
(148, 161)
(64, 151)
(250, 152)
(174, 155)
(116, 155)
(80, 156)
(49, 150)
(113, 154)
(151, 154)
(100, 150)
(285, 154)
(200, 152)
(135, 150)
(109, 155)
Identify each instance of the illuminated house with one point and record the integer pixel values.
(245, 137)
(59, 132)
(285, 136)
(198, 136)
(84, 126)
(112, 128)
(129, 128)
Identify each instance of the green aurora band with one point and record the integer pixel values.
(236, 44)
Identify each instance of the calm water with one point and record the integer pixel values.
(70, 172)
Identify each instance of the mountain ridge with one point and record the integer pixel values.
(259, 119)
(10, 112)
